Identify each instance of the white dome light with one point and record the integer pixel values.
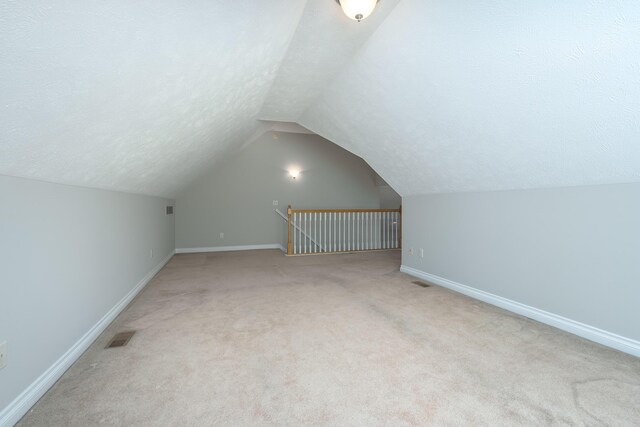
(358, 9)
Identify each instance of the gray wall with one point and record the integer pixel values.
(389, 199)
(236, 198)
(68, 255)
(574, 252)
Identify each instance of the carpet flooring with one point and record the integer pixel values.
(259, 339)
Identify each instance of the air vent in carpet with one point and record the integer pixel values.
(121, 339)
(422, 284)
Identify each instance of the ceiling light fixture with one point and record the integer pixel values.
(357, 9)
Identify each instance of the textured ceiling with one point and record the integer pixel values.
(323, 44)
(470, 96)
(138, 96)
(437, 96)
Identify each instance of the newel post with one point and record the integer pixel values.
(289, 247)
(400, 228)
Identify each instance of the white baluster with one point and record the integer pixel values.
(368, 228)
(395, 230)
(330, 232)
(389, 230)
(333, 232)
(375, 230)
(349, 230)
(355, 230)
(364, 231)
(386, 230)
(359, 231)
(310, 232)
(340, 229)
(341, 239)
(381, 231)
(324, 231)
(378, 230)
(299, 225)
(371, 230)
(306, 233)
(378, 241)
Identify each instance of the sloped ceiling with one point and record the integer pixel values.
(437, 96)
(325, 41)
(453, 96)
(138, 96)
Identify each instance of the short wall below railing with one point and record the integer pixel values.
(316, 231)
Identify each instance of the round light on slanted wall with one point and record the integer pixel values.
(357, 9)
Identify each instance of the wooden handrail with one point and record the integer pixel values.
(342, 210)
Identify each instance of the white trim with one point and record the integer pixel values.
(230, 248)
(600, 336)
(21, 404)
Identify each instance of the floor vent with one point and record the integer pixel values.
(422, 284)
(121, 339)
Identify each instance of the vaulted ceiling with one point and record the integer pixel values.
(437, 96)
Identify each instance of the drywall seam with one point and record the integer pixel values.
(21, 404)
(591, 333)
(230, 248)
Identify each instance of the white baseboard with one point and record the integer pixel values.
(21, 404)
(600, 336)
(230, 248)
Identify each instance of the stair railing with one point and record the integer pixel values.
(297, 229)
(314, 231)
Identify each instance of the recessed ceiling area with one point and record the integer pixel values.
(435, 96)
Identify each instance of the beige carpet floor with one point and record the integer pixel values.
(255, 338)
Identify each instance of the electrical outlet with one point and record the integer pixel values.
(410, 251)
(150, 253)
(421, 253)
(3, 354)
(222, 235)
(275, 203)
